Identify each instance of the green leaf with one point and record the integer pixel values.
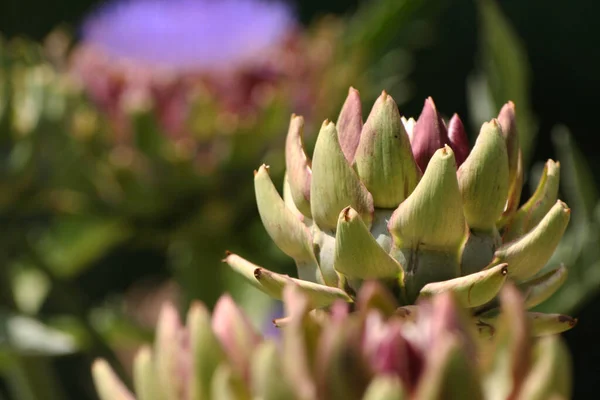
(504, 73)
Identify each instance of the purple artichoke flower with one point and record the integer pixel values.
(188, 35)
(233, 57)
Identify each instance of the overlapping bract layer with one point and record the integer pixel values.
(379, 352)
(412, 205)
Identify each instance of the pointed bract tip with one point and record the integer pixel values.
(509, 106)
(227, 254)
(429, 134)
(494, 122)
(346, 213)
(262, 168)
(569, 320)
(168, 309)
(457, 136)
(564, 206)
(196, 304)
(429, 101)
(444, 152)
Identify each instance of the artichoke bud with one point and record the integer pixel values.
(273, 283)
(402, 359)
(357, 254)
(549, 377)
(342, 371)
(297, 166)
(549, 324)
(334, 183)
(450, 374)
(513, 345)
(527, 255)
(478, 250)
(286, 230)
(364, 354)
(458, 140)
(266, 365)
(169, 342)
(108, 385)
(300, 341)
(144, 376)
(349, 124)
(538, 290)
(227, 385)
(532, 212)
(384, 160)
(472, 290)
(483, 179)
(386, 387)
(409, 126)
(289, 201)
(508, 122)
(436, 199)
(374, 296)
(429, 134)
(206, 350)
(428, 252)
(324, 250)
(235, 333)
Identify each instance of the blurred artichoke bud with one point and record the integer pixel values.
(364, 355)
(374, 215)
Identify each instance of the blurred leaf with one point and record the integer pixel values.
(29, 337)
(377, 23)
(118, 329)
(503, 76)
(73, 243)
(30, 287)
(32, 378)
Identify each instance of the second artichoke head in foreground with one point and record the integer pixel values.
(412, 205)
(373, 353)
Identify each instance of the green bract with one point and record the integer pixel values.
(379, 352)
(411, 205)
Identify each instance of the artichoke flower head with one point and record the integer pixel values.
(412, 205)
(204, 68)
(374, 353)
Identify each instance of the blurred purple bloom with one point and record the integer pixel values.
(188, 34)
